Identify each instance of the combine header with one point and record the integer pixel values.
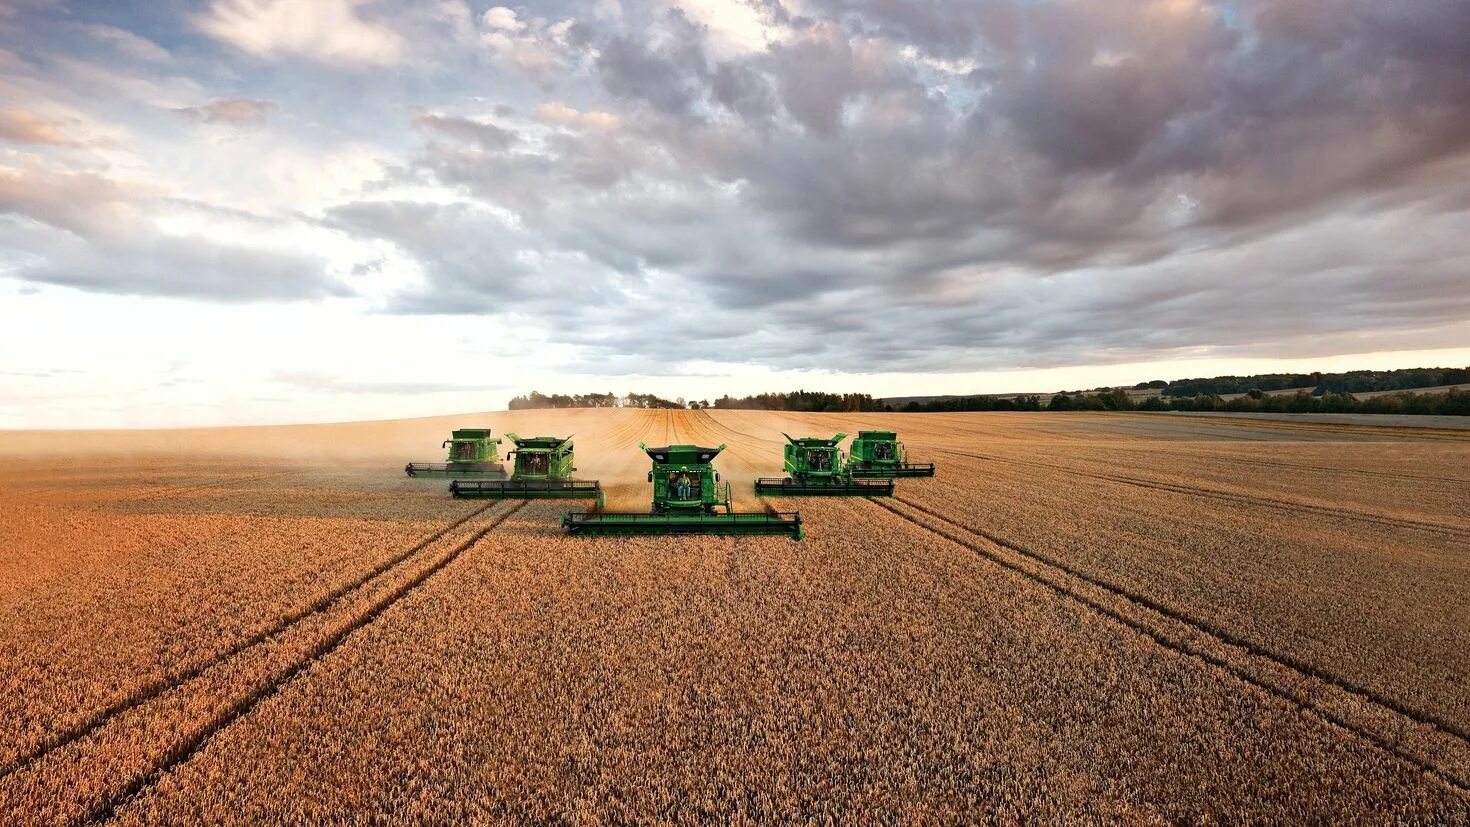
(687, 498)
(543, 471)
(472, 453)
(880, 454)
(816, 470)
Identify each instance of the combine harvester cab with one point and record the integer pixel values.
(543, 471)
(688, 498)
(879, 454)
(816, 470)
(472, 454)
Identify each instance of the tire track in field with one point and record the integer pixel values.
(738, 460)
(186, 490)
(1237, 497)
(623, 435)
(1433, 746)
(1366, 429)
(1266, 463)
(631, 425)
(741, 435)
(63, 490)
(148, 692)
(181, 752)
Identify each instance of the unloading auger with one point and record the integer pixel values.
(543, 471)
(688, 498)
(472, 454)
(816, 470)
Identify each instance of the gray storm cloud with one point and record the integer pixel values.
(1066, 179)
(946, 185)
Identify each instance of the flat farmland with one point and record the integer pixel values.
(1082, 617)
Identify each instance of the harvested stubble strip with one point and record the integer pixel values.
(1417, 742)
(1400, 479)
(172, 591)
(87, 777)
(1377, 606)
(1297, 503)
(865, 677)
(171, 594)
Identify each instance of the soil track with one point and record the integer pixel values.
(183, 750)
(1238, 496)
(220, 689)
(147, 692)
(1443, 750)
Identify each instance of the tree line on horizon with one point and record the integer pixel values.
(1445, 403)
(798, 401)
(1318, 383)
(1317, 393)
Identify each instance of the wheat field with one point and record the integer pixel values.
(1082, 617)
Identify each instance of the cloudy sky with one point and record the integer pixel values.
(288, 210)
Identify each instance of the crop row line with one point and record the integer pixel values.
(150, 691)
(181, 752)
(1365, 429)
(194, 489)
(1265, 463)
(1283, 659)
(1298, 684)
(1232, 496)
(735, 431)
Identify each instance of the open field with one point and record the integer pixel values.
(1082, 617)
(1415, 422)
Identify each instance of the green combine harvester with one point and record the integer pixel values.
(816, 470)
(880, 454)
(472, 453)
(543, 471)
(687, 499)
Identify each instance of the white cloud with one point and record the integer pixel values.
(559, 114)
(236, 111)
(533, 46)
(138, 48)
(22, 127)
(735, 27)
(326, 31)
(503, 19)
(607, 10)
